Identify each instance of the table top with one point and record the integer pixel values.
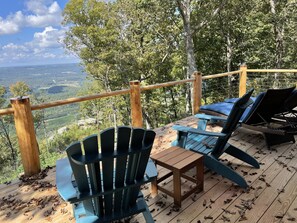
(176, 157)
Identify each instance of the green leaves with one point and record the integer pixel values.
(126, 40)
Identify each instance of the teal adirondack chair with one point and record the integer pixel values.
(103, 183)
(212, 144)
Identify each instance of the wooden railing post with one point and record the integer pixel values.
(135, 100)
(24, 125)
(197, 92)
(242, 80)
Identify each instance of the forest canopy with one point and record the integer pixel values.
(157, 41)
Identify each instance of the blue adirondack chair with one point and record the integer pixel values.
(103, 183)
(212, 144)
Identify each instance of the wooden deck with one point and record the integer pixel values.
(270, 198)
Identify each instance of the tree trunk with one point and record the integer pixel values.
(6, 137)
(184, 8)
(113, 116)
(229, 52)
(278, 28)
(148, 122)
(173, 104)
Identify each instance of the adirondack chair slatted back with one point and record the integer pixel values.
(139, 159)
(124, 153)
(79, 172)
(232, 121)
(291, 102)
(271, 103)
(123, 142)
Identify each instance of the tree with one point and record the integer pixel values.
(125, 40)
(20, 89)
(7, 138)
(7, 131)
(158, 41)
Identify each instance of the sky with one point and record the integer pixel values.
(31, 33)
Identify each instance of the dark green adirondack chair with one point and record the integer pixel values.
(103, 182)
(212, 144)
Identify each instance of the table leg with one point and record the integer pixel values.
(200, 174)
(177, 187)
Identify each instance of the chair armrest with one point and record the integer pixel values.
(211, 118)
(64, 180)
(151, 170)
(197, 131)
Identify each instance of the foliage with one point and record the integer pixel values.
(20, 89)
(75, 133)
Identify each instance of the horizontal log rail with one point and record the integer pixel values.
(221, 75)
(167, 84)
(79, 99)
(6, 111)
(272, 70)
(22, 109)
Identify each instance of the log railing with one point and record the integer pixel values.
(22, 109)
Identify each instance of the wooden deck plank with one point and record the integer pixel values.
(270, 170)
(189, 202)
(46, 206)
(282, 202)
(210, 182)
(228, 197)
(192, 212)
(292, 211)
(230, 203)
(270, 194)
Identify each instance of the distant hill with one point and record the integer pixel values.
(53, 82)
(43, 76)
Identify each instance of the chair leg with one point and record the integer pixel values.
(202, 124)
(180, 139)
(215, 165)
(273, 139)
(148, 216)
(239, 154)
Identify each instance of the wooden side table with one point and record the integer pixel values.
(179, 161)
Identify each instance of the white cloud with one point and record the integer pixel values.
(45, 46)
(13, 47)
(49, 38)
(39, 13)
(12, 24)
(38, 7)
(45, 17)
(14, 52)
(49, 55)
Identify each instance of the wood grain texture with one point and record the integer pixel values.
(242, 80)
(135, 102)
(216, 188)
(24, 125)
(197, 92)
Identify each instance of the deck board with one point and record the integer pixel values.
(273, 189)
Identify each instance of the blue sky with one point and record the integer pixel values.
(31, 33)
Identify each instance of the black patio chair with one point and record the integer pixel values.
(261, 115)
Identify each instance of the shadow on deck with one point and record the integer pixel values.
(270, 198)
